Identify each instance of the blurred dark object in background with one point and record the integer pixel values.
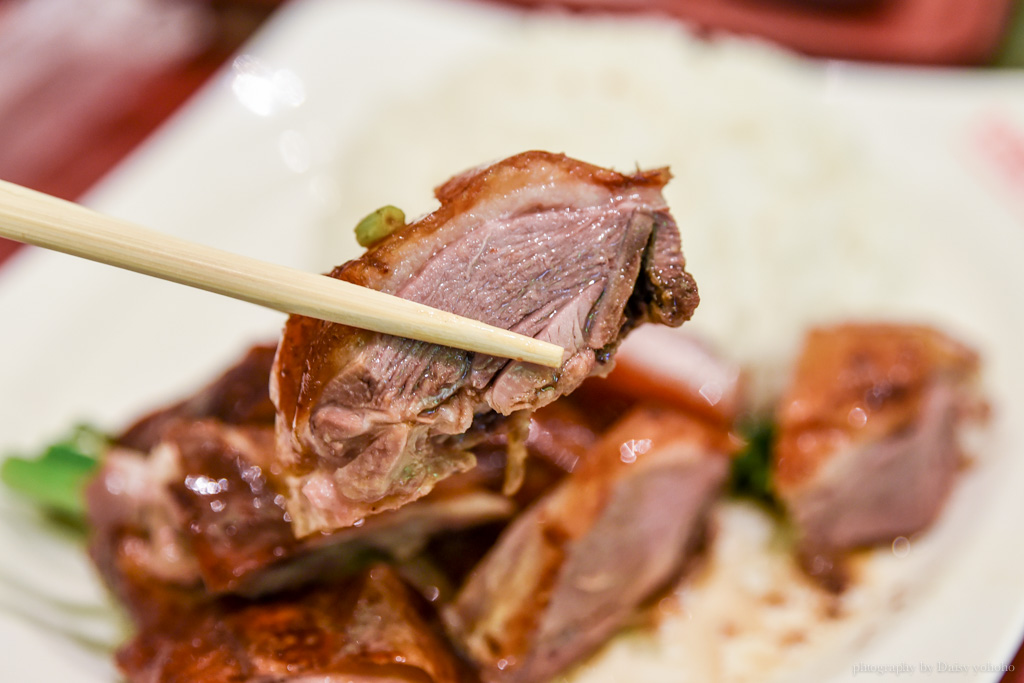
(948, 32)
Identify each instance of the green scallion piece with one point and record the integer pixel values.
(379, 225)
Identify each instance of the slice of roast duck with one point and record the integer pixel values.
(867, 447)
(572, 568)
(538, 243)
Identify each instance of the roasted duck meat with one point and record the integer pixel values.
(191, 497)
(572, 568)
(369, 629)
(189, 492)
(867, 447)
(200, 509)
(539, 244)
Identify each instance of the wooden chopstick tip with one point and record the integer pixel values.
(544, 353)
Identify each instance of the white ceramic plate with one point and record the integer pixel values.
(275, 150)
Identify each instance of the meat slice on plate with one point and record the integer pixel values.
(867, 447)
(572, 568)
(369, 629)
(538, 243)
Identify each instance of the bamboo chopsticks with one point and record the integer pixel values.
(36, 218)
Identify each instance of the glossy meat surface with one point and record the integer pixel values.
(201, 505)
(200, 509)
(867, 447)
(188, 496)
(538, 243)
(369, 629)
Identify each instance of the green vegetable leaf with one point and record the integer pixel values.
(56, 479)
(379, 225)
(752, 467)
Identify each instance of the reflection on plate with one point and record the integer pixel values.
(796, 206)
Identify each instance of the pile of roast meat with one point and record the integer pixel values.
(351, 506)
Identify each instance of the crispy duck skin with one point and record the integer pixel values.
(199, 510)
(867, 446)
(572, 568)
(538, 243)
(368, 629)
(200, 504)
